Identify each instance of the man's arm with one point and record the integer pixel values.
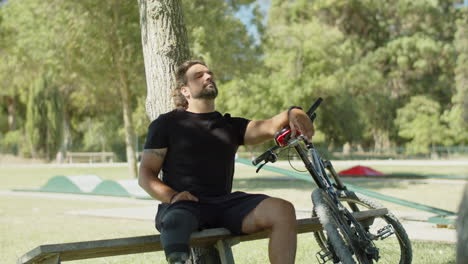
(150, 166)
(261, 131)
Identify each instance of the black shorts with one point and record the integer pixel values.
(226, 211)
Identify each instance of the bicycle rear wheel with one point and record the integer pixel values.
(388, 234)
(336, 242)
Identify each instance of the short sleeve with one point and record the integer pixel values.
(240, 126)
(158, 136)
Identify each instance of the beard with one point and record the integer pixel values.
(209, 91)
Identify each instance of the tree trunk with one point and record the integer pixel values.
(164, 40)
(347, 149)
(66, 140)
(129, 131)
(11, 101)
(124, 91)
(381, 140)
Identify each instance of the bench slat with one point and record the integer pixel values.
(131, 245)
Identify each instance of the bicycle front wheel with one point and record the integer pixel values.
(337, 240)
(386, 231)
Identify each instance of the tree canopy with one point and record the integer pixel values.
(392, 74)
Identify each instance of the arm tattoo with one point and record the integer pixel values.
(160, 154)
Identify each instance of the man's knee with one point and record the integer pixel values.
(178, 218)
(278, 212)
(176, 228)
(284, 210)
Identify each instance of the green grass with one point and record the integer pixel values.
(423, 252)
(445, 195)
(421, 170)
(26, 222)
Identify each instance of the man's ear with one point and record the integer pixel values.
(185, 91)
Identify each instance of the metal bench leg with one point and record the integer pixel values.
(54, 259)
(225, 252)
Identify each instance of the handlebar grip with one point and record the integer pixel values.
(264, 156)
(314, 106)
(313, 116)
(259, 159)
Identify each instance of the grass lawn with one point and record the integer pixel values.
(26, 222)
(445, 195)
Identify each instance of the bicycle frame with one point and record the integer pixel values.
(358, 238)
(320, 177)
(316, 167)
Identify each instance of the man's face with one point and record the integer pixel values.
(200, 82)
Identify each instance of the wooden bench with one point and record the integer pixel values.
(219, 237)
(89, 157)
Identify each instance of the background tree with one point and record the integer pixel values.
(44, 120)
(457, 116)
(419, 121)
(366, 59)
(30, 54)
(300, 55)
(119, 63)
(220, 39)
(95, 57)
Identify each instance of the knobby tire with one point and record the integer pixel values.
(330, 225)
(404, 244)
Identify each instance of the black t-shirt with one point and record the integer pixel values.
(201, 150)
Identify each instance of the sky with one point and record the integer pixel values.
(460, 3)
(245, 15)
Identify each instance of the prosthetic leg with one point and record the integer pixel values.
(176, 227)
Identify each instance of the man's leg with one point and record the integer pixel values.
(176, 227)
(279, 216)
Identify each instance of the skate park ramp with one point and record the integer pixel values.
(71, 184)
(360, 171)
(91, 185)
(125, 188)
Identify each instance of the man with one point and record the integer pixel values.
(462, 229)
(195, 147)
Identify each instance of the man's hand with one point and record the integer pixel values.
(183, 196)
(299, 121)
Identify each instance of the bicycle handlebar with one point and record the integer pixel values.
(264, 156)
(314, 107)
(267, 154)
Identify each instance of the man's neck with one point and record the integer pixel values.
(201, 106)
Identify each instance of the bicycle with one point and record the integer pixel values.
(344, 239)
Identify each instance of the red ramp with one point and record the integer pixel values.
(360, 171)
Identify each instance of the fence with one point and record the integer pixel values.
(89, 157)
